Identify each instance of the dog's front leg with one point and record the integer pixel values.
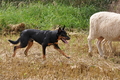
(44, 52)
(57, 48)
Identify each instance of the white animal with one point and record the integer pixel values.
(104, 26)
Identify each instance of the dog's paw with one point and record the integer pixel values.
(68, 57)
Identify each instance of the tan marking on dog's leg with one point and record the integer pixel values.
(44, 57)
(50, 44)
(30, 43)
(15, 48)
(62, 52)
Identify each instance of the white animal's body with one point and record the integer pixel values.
(104, 26)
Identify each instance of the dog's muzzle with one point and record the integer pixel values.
(64, 39)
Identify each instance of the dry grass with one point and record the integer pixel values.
(56, 67)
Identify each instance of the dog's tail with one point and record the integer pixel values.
(14, 42)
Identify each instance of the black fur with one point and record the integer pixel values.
(14, 42)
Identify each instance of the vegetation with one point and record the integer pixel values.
(46, 14)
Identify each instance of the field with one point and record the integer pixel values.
(80, 66)
(49, 14)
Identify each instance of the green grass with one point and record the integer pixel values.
(46, 16)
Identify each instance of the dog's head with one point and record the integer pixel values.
(62, 35)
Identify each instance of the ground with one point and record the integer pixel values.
(80, 66)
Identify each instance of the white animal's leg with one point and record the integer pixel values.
(103, 45)
(99, 47)
(110, 45)
(89, 44)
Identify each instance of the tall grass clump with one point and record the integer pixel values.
(46, 16)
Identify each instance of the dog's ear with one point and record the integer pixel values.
(63, 27)
(59, 30)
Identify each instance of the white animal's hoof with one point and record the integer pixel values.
(89, 51)
(90, 55)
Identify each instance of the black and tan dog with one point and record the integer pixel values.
(43, 37)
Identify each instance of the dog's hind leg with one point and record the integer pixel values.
(23, 43)
(30, 43)
(15, 48)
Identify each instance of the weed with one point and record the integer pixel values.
(46, 16)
